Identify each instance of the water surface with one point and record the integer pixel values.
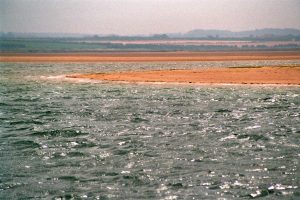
(64, 140)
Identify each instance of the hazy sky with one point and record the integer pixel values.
(145, 16)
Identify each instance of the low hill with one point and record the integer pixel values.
(258, 33)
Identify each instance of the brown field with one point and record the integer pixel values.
(149, 56)
(249, 75)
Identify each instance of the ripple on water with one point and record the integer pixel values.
(59, 133)
(26, 144)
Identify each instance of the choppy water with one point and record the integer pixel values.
(64, 140)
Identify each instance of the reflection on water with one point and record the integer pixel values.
(101, 141)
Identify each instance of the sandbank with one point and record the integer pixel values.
(149, 56)
(285, 75)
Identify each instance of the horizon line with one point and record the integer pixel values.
(150, 34)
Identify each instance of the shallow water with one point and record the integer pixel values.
(64, 140)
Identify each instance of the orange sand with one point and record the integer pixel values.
(257, 75)
(149, 56)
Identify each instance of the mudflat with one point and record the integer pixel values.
(149, 56)
(243, 75)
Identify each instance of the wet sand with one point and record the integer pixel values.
(149, 56)
(248, 75)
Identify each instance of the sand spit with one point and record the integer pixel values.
(243, 75)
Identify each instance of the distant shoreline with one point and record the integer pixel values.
(180, 56)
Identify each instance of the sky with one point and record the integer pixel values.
(132, 17)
